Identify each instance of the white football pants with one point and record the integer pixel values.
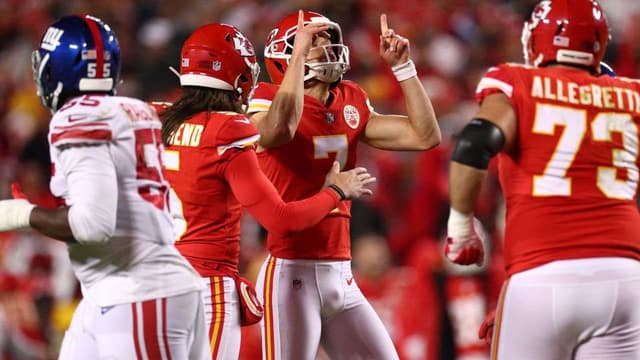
(158, 329)
(222, 317)
(308, 303)
(570, 309)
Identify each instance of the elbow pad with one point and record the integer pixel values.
(478, 142)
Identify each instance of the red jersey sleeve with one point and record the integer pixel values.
(362, 93)
(262, 97)
(256, 193)
(498, 79)
(237, 132)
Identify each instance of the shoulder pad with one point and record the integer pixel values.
(82, 120)
(497, 79)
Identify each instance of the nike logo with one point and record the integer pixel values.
(105, 309)
(244, 121)
(349, 281)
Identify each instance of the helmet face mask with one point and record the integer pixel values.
(334, 64)
(573, 32)
(219, 56)
(76, 55)
(279, 46)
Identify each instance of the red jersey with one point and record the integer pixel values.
(299, 168)
(213, 169)
(571, 181)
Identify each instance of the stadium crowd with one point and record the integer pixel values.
(431, 310)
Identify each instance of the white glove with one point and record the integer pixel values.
(465, 237)
(14, 214)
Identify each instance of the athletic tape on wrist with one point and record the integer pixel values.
(404, 71)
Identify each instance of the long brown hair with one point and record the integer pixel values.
(195, 100)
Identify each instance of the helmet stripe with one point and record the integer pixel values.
(97, 40)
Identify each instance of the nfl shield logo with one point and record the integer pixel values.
(216, 65)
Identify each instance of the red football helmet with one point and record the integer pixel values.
(279, 46)
(219, 56)
(566, 31)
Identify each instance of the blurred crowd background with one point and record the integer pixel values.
(431, 310)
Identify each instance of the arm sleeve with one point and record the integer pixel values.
(258, 195)
(90, 174)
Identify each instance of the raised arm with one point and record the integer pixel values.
(418, 130)
(492, 130)
(256, 193)
(278, 125)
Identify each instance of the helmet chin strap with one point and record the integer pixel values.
(173, 70)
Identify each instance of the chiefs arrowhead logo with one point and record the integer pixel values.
(243, 45)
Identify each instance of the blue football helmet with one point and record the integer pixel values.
(607, 70)
(77, 54)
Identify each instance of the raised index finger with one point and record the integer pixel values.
(300, 20)
(383, 24)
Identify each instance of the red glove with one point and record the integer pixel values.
(464, 240)
(486, 329)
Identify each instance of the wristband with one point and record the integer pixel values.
(15, 214)
(459, 224)
(337, 189)
(404, 71)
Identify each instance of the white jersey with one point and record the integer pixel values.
(139, 261)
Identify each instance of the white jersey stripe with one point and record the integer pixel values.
(258, 105)
(489, 83)
(239, 144)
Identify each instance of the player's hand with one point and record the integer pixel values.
(394, 48)
(305, 34)
(15, 214)
(353, 182)
(486, 329)
(465, 237)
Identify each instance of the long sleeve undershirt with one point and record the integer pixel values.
(258, 195)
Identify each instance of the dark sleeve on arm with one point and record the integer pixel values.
(258, 195)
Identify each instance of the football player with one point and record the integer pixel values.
(213, 168)
(141, 298)
(567, 144)
(308, 117)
